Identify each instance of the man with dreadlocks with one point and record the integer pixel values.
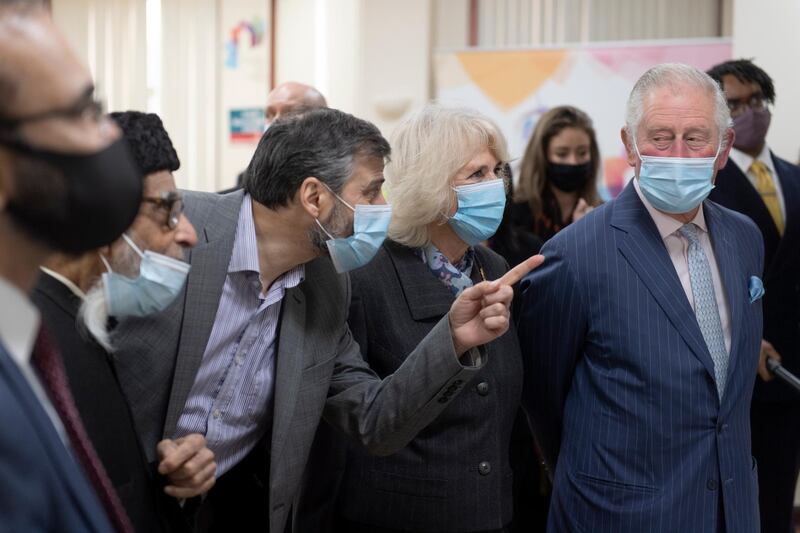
(766, 188)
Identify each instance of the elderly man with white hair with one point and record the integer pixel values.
(641, 359)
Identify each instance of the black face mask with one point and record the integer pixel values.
(568, 178)
(88, 201)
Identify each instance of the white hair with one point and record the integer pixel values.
(428, 149)
(676, 76)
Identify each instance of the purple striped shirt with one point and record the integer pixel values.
(231, 399)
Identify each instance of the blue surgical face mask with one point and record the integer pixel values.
(160, 280)
(676, 184)
(480, 210)
(370, 225)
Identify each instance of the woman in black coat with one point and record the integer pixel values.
(447, 194)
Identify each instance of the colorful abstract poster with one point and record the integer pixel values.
(515, 87)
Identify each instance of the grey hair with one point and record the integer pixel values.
(676, 76)
(429, 148)
(323, 143)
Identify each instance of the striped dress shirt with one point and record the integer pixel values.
(232, 397)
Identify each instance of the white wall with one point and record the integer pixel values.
(766, 31)
(368, 57)
(396, 60)
(110, 38)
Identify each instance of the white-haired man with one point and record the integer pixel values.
(642, 398)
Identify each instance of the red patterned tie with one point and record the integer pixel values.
(46, 360)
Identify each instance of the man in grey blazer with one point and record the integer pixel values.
(258, 350)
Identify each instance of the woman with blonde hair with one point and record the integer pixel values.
(557, 181)
(445, 184)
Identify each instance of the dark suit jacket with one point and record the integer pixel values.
(456, 474)
(319, 370)
(41, 486)
(103, 409)
(621, 384)
(781, 266)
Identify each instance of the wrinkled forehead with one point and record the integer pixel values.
(39, 63)
(677, 108)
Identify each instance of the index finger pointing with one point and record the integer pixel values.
(519, 271)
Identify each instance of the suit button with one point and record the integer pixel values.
(712, 484)
(483, 388)
(484, 468)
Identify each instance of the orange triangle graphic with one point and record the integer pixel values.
(507, 78)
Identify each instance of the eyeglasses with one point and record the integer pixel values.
(172, 203)
(85, 108)
(738, 106)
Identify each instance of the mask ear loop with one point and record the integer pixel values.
(353, 209)
(719, 149)
(331, 237)
(105, 262)
(132, 245)
(636, 147)
(445, 217)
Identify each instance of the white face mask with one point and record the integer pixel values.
(370, 225)
(160, 280)
(676, 184)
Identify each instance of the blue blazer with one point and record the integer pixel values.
(620, 384)
(41, 486)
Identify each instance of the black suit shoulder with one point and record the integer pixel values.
(102, 406)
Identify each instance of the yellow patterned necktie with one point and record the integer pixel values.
(766, 188)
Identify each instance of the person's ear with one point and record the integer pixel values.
(314, 198)
(628, 142)
(722, 160)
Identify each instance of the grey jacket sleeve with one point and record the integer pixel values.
(384, 415)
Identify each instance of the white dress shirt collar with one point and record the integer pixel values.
(666, 224)
(19, 323)
(66, 281)
(743, 161)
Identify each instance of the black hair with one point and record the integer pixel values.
(321, 143)
(745, 71)
(148, 141)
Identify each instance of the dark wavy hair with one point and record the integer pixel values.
(148, 141)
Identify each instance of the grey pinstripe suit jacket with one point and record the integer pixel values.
(319, 367)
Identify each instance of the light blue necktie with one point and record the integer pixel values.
(705, 305)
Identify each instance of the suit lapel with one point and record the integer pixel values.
(58, 293)
(289, 365)
(642, 246)
(204, 285)
(790, 187)
(734, 281)
(67, 468)
(426, 296)
(748, 197)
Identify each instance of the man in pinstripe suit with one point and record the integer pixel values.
(641, 358)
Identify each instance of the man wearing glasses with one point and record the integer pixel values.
(766, 188)
(138, 274)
